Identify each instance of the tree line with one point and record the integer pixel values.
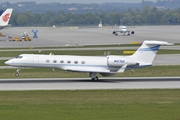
(146, 16)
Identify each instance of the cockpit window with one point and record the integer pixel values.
(19, 57)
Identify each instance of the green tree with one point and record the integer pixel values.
(127, 19)
(91, 19)
(37, 19)
(22, 20)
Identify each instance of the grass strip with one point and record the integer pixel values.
(80, 46)
(91, 105)
(2, 63)
(78, 52)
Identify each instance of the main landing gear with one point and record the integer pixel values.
(93, 76)
(17, 72)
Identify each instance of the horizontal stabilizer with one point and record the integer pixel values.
(147, 42)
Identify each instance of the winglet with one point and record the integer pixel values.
(122, 69)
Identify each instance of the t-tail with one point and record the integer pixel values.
(5, 17)
(147, 52)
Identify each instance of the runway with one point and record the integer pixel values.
(87, 84)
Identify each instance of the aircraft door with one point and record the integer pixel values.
(108, 60)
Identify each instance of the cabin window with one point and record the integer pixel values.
(82, 62)
(19, 57)
(76, 62)
(54, 61)
(47, 61)
(69, 61)
(62, 61)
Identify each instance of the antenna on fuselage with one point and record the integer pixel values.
(51, 53)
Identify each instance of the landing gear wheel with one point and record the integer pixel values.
(93, 76)
(17, 74)
(95, 79)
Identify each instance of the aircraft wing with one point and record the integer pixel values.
(4, 26)
(123, 31)
(94, 69)
(87, 69)
(120, 31)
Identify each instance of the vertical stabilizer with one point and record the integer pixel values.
(5, 17)
(147, 52)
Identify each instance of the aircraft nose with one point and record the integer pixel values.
(9, 62)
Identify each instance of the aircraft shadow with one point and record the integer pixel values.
(86, 80)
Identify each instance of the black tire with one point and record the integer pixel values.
(16, 74)
(95, 79)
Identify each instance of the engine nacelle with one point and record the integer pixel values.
(114, 32)
(119, 61)
(132, 32)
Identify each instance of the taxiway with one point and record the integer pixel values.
(64, 36)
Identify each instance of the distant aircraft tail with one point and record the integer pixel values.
(123, 28)
(100, 24)
(5, 17)
(147, 52)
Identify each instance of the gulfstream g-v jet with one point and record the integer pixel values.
(104, 65)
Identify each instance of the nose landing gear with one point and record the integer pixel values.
(17, 72)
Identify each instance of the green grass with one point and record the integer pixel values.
(81, 46)
(90, 105)
(2, 63)
(154, 71)
(78, 52)
(62, 52)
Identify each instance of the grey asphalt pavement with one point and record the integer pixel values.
(87, 84)
(64, 36)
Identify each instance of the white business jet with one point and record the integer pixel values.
(123, 29)
(104, 65)
(5, 17)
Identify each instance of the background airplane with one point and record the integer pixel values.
(5, 17)
(104, 65)
(123, 29)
